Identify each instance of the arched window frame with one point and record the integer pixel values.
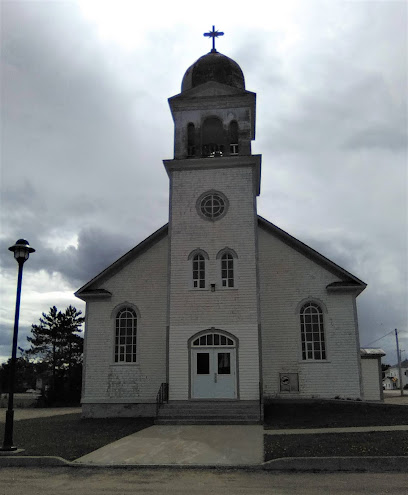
(198, 269)
(213, 330)
(212, 136)
(312, 331)
(126, 352)
(225, 258)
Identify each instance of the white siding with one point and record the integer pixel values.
(286, 279)
(233, 310)
(371, 379)
(143, 283)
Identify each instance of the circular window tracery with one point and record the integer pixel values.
(212, 205)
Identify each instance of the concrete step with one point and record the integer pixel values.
(207, 421)
(209, 412)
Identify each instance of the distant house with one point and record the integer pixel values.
(391, 377)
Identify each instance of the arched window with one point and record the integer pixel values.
(233, 137)
(227, 267)
(312, 332)
(191, 149)
(125, 336)
(227, 270)
(212, 137)
(213, 339)
(198, 271)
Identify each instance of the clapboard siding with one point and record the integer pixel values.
(143, 283)
(233, 310)
(287, 278)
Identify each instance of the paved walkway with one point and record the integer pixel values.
(350, 429)
(45, 412)
(395, 397)
(226, 445)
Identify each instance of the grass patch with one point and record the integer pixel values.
(376, 443)
(332, 414)
(69, 436)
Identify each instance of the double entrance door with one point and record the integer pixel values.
(213, 373)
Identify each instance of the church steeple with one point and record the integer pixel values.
(214, 181)
(214, 115)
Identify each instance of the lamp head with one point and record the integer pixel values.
(21, 250)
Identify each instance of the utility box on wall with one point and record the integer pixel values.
(289, 382)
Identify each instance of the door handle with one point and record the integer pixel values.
(215, 377)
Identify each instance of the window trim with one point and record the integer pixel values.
(303, 332)
(214, 193)
(191, 258)
(219, 258)
(114, 315)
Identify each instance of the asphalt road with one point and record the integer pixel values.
(69, 481)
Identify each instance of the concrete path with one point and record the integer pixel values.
(350, 429)
(226, 445)
(45, 412)
(395, 397)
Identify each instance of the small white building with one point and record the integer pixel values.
(219, 304)
(372, 373)
(391, 379)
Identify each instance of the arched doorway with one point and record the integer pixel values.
(213, 365)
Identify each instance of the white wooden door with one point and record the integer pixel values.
(213, 373)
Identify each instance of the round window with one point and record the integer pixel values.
(212, 205)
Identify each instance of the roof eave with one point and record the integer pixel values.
(93, 295)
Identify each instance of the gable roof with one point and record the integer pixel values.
(348, 281)
(87, 291)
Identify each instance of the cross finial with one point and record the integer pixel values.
(213, 34)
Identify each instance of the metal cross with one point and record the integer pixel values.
(213, 34)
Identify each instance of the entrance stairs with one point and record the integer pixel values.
(205, 412)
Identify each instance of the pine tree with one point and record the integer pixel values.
(55, 342)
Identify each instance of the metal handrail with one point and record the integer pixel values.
(162, 396)
(261, 412)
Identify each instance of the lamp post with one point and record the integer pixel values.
(21, 250)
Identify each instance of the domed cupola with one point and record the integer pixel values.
(213, 66)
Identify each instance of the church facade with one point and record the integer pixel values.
(219, 304)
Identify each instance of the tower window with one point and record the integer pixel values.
(233, 137)
(191, 148)
(212, 137)
(212, 205)
(198, 271)
(227, 270)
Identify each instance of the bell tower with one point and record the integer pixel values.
(213, 318)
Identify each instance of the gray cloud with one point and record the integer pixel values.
(85, 125)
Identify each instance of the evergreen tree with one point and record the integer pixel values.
(56, 343)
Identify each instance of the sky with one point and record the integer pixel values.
(85, 125)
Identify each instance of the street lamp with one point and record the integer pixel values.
(21, 251)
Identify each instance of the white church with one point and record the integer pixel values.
(219, 310)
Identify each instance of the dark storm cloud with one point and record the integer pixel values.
(6, 338)
(86, 123)
(71, 155)
(361, 115)
(96, 250)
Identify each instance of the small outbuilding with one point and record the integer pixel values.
(371, 373)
